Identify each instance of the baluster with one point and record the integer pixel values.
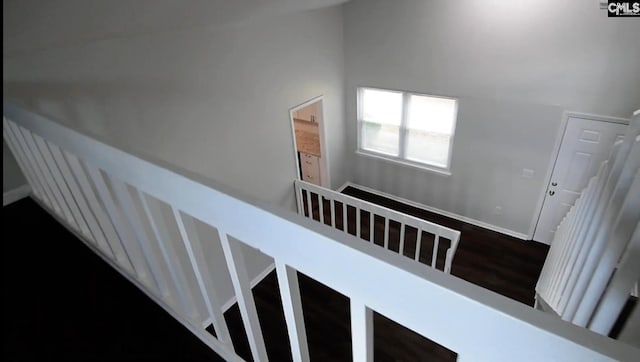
(94, 229)
(563, 254)
(345, 223)
(171, 259)
(616, 294)
(573, 246)
(22, 163)
(577, 242)
(557, 252)
(292, 307)
(120, 225)
(386, 232)
(333, 212)
(618, 185)
(371, 226)
(361, 332)
(35, 167)
(309, 205)
(321, 207)
(60, 181)
(203, 274)
(615, 244)
(48, 168)
(436, 244)
(402, 231)
(45, 176)
(106, 226)
(594, 234)
(299, 197)
(418, 244)
(238, 271)
(358, 226)
(144, 243)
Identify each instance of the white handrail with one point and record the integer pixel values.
(310, 194)
(473, 322)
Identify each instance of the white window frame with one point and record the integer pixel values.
(401, 158)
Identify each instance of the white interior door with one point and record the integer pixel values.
(585, 144)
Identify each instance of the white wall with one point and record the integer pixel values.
(212, 99)
(515, 67)
(11, 175)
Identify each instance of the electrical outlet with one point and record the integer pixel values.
(527, 173)
(497, 210)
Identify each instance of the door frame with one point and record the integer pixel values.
(554, 157)
(325, 177)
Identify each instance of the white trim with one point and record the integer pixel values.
(203, 335)
(402, 162)
(452, 215)
(542, 305)
(207, 322)
(344, 186)
(263, 274)
(403, 129)
(325, 178)
(554, 157)
(16, 194)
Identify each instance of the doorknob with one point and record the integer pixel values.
(551, 193)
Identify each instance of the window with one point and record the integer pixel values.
(410, 128)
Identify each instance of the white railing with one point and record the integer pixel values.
(123, 206)
(405, 234)
(594, 260)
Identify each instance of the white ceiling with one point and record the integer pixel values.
(35, 24)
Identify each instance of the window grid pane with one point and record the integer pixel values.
(431, 114)
(425, 134)
(379, 106)
(381, 138)
(428, 147)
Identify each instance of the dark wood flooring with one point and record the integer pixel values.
(501, 263)
(62, 302)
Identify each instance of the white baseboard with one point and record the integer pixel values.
(16, 194)
(452, 215)
(254, 282)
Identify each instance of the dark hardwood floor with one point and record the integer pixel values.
(501, 263)
(62, 302)
(326, 316)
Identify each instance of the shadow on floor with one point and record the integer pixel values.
(64, 303)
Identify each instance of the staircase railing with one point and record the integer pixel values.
(123, 206)
(405, 234)
(594, 258)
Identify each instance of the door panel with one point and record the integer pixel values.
(585, 144)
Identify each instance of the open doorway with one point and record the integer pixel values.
(307, 124)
